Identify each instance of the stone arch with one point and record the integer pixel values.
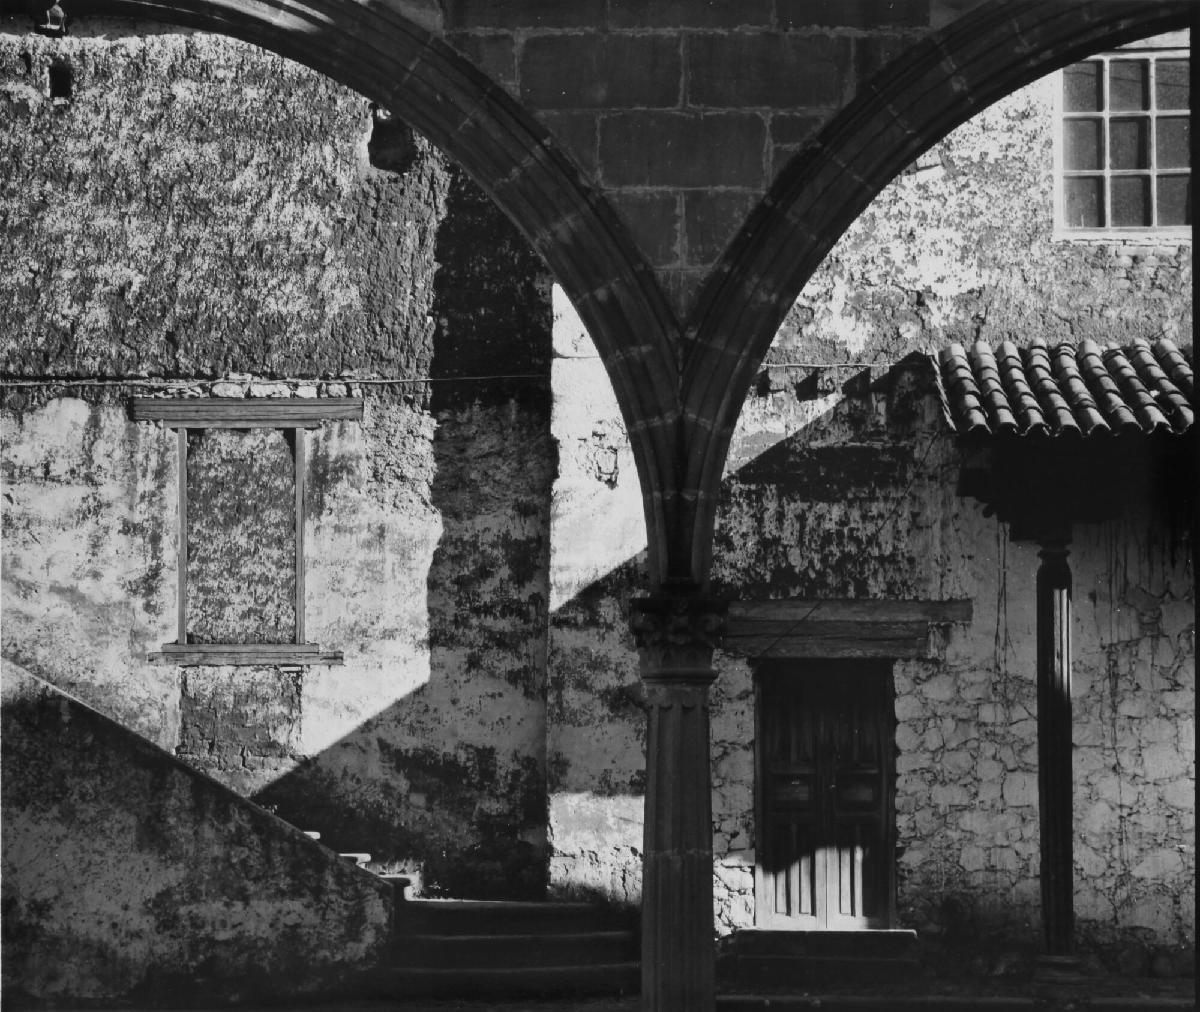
(394, 62)
(914, 102)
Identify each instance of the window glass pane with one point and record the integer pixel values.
(1174, 200)
(1129, 144)
(241, 537)
(1130, 201)
(1128, 84)
(1081, 88)
(1082, 144)
(1171, 84)
(1171, 142)
(1084, 202)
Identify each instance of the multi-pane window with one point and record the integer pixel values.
(1125, 141)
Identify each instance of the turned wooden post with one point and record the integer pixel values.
(676, 632)
(1054, 748)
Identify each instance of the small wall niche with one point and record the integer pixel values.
(62, 80)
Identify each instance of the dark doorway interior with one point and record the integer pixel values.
(825, 795)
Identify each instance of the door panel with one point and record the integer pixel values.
(825, 796)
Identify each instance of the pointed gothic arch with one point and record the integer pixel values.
(935, 86)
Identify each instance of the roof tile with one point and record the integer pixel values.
(1067, 390)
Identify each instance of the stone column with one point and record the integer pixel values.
(1054, 748)
(676, 632)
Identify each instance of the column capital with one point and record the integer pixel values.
(1054, 572)
(676, 631)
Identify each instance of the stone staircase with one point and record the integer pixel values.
(798, 961)
(477, 948)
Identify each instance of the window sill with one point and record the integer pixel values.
(1131, 237)
(225, 654)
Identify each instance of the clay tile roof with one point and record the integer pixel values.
(1078, 390)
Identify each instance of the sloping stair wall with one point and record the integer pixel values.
(130, 877)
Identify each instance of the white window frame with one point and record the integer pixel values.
(1174, 45)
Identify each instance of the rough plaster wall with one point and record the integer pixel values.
(170, 204)
(426, 747)
(1135, 757)
(595, 725)
(960, 247)
(89, 506)
(297, 234)
(177, 887)
(249, 538)
(829, 496)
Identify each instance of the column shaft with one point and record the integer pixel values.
(677, 869)
(1054, 750)
(676, 631)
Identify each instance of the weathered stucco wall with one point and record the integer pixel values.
(961, 247)
(828, 496)
(202, 211)
(175, 888)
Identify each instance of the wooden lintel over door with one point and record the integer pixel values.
(839, 628)
(825, 795)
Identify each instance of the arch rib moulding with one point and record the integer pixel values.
(933, 87)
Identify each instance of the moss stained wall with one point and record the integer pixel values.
(205, 211)
(961, 247)
(251, 538)
(174, 886)
(828, 495)
(193, 189)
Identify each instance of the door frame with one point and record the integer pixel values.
(815, 667)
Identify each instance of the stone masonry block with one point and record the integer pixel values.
(765, 69)
(859, 14)
(523, 13)
(575, 134)
(794, 129)
(682, 14)
(493, 54)
(873, 53)
(683, 287)
(711, 219)
(592, 72)
(653, 220)
(682, 149)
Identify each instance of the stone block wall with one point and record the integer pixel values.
(683, 113)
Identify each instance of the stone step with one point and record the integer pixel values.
(502, 917)
(898, 943)
(513, 951)
(809, 972)
(493, 982)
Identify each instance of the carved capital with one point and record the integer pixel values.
(676, 633)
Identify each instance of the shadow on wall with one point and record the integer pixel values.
(852, 500)
(448, 782)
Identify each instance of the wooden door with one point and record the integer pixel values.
(825, 796)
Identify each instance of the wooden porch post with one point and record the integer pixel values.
(676, 632)
(1054, 748)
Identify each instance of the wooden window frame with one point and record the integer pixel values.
(1169, 47)
(295, 415)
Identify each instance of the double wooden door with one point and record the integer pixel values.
(825, 796)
